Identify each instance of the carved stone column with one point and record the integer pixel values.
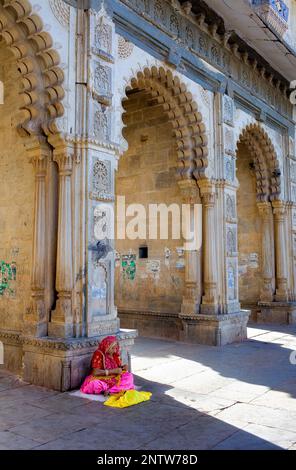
(267, 292)
(86, 156)
(193, 282)
(36, 319)
(62, 318)
(209, 300)
(280, 212)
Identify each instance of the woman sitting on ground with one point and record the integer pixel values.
(108, 376)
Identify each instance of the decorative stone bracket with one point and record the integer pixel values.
(41, 77)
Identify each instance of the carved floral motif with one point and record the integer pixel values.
(61, 11)
(229, 142)
(293, 170)
(125, 48)
(228, 110)
(174, 25)
(102, 79)
(189, 37)
(231, 282)
(231, 240)
(103, 37)
(101, 123)
(230, 207)
(101, 179)
(229, 168)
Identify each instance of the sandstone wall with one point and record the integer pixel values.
(146, 175)
(16, 205)
(249, 231)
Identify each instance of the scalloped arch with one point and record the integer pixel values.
(41, 77)
(182, 111)
(267, 168)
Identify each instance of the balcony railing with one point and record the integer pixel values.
(274, 12)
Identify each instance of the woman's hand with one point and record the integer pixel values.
(125, 367)
(98, 372)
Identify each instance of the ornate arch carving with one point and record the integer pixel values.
(266, 164)
(182, 112)
(41, 77)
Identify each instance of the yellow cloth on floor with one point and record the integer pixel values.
(128, 398)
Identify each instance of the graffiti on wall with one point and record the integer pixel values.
(167, 256)
(7, 278)
(153, 268)
(129, 267)
(180, 263)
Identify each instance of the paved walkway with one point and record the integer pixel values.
(240, 396)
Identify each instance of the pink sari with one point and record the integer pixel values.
(102, 360)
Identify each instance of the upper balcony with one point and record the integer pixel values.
(267, 26)
(274, 13)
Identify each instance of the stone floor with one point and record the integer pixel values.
(240, 396)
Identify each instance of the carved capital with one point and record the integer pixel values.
(40, 165)
(39, 153)
(279, 210)
(265, 209)
(65, 162)
(208, 192)
(189, 191)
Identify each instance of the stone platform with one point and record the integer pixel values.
(214, 330)
(277, 312)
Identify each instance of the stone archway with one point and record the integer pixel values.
(36, 100)
(266, 164)
(158, 104)
(260, 180)
(167, 91)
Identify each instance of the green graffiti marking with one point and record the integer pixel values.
(7, 275)
(129, 267)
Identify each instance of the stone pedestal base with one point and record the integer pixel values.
(62, 364)
(277, 312)
(215, 330)
(59, 364)
(12, 351)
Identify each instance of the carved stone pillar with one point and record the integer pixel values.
(86, 157)
(193, 282)
(36, 319)
(280, 212)
(62, 318)
(209, 300)
(267, 291)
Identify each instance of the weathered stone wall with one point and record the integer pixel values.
(16, 205)
(147, 174)
(249, 231)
